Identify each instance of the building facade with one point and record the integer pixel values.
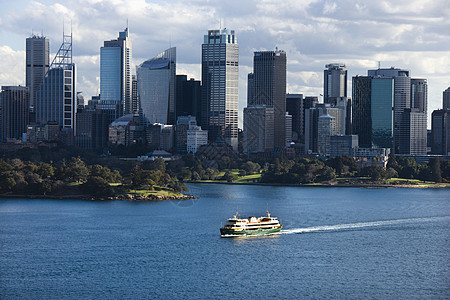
(334, 82)
(220, 84)
(37, 63)
(14, 104)
(446, 99)
(156, 88)
(269, 71)
(258, 128)
(188, 97)
(413, 132)
(55, 99)
(382, 100)
(115, 76)
(440, 132)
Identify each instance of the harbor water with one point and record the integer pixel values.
(336, 243)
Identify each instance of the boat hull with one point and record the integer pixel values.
(225, 232)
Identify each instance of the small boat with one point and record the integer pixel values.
(250, 226)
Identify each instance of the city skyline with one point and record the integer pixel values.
(313, 33)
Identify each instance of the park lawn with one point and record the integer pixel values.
(249, 178)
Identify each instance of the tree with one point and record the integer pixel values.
(77, 170)
(97, 186)
(229, 177)
(435, 168)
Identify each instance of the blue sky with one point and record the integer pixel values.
(408, 34)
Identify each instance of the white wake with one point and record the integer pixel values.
(351, 226)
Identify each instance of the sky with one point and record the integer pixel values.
(407, 34)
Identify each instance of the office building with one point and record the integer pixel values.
(115, 76)
(402, 96)
(361, 110)
(220, 83)
(134, 95)
(343, 145)
(55, 99)
(14, 104)
(37, 63)
(382, 100)
(184, 123)
(413, 132)
(126, 130)
(326, 127)
(196, 137)
(288, 130)
(92, 128)
(419, 94)
(269, 72)
(295, 108)
(156, 88)
(440, 132)
(250, 88)
(188, 97)
(446, 99)
(334, 83)
(258, 128)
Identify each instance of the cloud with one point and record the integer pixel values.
(12, 66)
(409, 34)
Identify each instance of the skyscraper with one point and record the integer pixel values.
(250, 87)
(440, 132)
(14, 104)
(402, 96)
(361, 112)
(419, 94)
(220, 80)
(382, 97)
(413, 132)
(334, 83)
(295, 107)
(115, 76)
(156, 88)
(37, 63)
(269, 72)
(446, 99)
(258, 128)
(56, 96)
(188, 97)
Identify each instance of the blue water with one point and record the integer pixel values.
(337, 243)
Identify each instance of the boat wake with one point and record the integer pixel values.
(351, 226)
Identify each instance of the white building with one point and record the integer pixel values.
(196, 137)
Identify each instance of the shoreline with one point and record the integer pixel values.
(322, 185)
(128, 197)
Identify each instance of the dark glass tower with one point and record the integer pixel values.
(361, 112)
(269, 71)
(14, 103)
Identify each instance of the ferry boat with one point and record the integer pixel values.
(250, 226)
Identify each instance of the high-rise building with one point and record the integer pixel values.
(156, 88)
(295, 107)
(37, 63)
(184, 123)
(196, 137)
(402, 96)
(361, 110)
(419, 94)
(440, 132)
(258, 128)
(115, 76)
(382, 100)
(188, 97)
(413, 132)
(269, 71)
(220, 84)
(446, 99)
(334, 83)
(134, 95)
(288, 130)
(55, 99)
(250, 88)
(326, 127)
(14, 104)
(92, 128)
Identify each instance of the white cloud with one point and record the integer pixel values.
(409, 34)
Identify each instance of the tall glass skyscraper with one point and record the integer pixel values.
(56, 97)
(37, 63)
(156, 88)
(14, 104)
(269, 80)
(361, 110)
(115, 76)
(382, 100)
(220, 79)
